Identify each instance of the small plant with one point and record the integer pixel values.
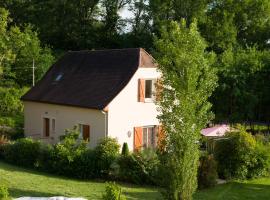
(113, 192)
(3, 192)
(125, 150)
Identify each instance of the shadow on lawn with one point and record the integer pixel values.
(16, 193)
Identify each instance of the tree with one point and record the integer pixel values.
(243, 84)
(18, 50)
(161, 10)
(229, 22)
(141, 28)
(188, 81)
(63, 24)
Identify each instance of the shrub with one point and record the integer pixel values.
(207, 173)
(3, 192)
(240, 156)
(125, 150)
(261, 162)
(85, 165)
(64, 154)
(45, 157)
(139, 167)
(107, 151)
(113, 192)
(23, 152)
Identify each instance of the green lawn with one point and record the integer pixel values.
(23, 182)
(258, 189)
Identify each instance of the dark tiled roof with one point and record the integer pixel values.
(89, 79)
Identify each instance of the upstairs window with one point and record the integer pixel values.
(146, 90)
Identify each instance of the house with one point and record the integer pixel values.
(104, 92)
(216, 131)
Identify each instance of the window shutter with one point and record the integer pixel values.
(141, 88)
(161, 142)
(137, 138)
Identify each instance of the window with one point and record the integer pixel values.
(84, 131)
(149, 137)
(59, 77)
(149, 89)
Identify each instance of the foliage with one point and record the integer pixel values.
(65, 153)
(188, 81)
(23, 152)
(231, 22)
(139, 167)
(10, 103)
(125, 150)
(207, 173)
(85, 165)
(242, 92)
(19, 47)
(240, 156)
(113, 192)
(106, 151)
(4, 194)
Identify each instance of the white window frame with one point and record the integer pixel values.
(147, 137)
(153, 90)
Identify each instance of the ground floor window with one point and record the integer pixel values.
(49, 125)
(84, 131)
(149, 136)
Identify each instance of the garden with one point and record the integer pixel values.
(240, 158)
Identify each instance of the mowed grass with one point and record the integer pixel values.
(22, 182)
(257, 189)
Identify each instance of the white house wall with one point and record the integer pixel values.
(65, 117)
(125, 112)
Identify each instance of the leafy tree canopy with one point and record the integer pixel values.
(188, 80)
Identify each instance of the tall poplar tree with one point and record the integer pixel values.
(188, 80)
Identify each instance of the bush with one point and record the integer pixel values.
(107, 151)
(64, 154)
(3, 192)
(125, 150)
(23, 152)
(207, 173)
(261, 165)
(241, 156)
(113, 192)
(45, 157)
(139, 167)
(85, 165)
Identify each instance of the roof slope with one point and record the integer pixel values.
(89, 79)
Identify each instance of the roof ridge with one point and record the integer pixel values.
(92, 50)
